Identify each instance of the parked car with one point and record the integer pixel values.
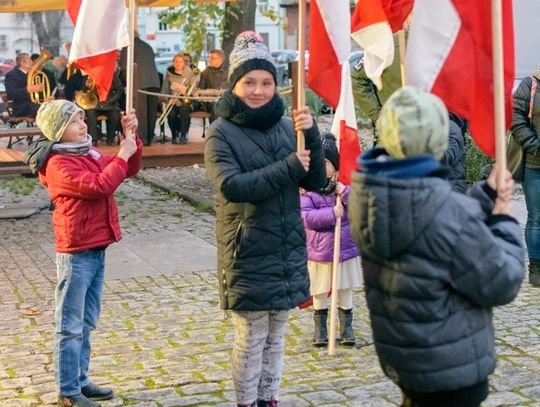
(162, 63)
(282, 58)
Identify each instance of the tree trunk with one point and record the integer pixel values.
(47, 26)
(239, 17)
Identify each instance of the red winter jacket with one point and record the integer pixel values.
(81, 188)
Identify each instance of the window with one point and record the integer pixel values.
(3, 41)
(162, 26)
(210, 41)
(263, 6)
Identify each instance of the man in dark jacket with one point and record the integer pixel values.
(17, 89)
(147, 79)
(435, 261)
(213, 78)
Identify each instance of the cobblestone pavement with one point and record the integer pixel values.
(162, 340)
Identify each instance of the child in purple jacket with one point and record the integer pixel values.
(319, 211)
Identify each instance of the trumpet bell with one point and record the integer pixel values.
(86, 99)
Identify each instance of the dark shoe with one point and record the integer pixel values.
(79, 400)
(320, 331)
(111, 142)
(183, 139)
(534, 272)
(268, 403)
(346, 333)
(95, 392)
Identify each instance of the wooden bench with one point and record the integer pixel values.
(11, 162)
(17, 135)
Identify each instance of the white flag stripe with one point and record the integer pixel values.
(336, 16)
(432, 35)
(378, 44)
(97, 30)
(345, 108)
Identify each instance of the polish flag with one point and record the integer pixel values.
(373, 23)
(450, 54)
(101, 29)
(329, 75)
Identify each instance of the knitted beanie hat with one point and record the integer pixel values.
(331, 152)
(54, 116)
(536, 73)
(412, 123)
(249, 53)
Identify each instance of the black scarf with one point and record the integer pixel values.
(329, 188)
(230, 107)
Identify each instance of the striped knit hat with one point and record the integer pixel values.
(249, 53)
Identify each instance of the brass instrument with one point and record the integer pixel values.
(87, 99)
(36, 76)
(168, 108)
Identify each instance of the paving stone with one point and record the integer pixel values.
(162, 339)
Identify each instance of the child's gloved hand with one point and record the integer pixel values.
(340, 188)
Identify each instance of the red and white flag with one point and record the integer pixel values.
(329, 75)
(101, 29)
(372, 25)
(450, 53)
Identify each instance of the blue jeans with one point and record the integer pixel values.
(78, 305)
(531, 188)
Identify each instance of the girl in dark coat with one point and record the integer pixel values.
(250, 154)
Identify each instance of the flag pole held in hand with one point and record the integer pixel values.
(301, 71)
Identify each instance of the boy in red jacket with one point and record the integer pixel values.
(81, 182)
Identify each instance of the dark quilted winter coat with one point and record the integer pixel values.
(260, 235)
(435, 263)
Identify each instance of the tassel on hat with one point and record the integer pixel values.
(249, 53)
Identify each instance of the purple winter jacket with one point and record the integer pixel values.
(320, 223)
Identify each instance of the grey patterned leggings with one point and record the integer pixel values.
(257, 358)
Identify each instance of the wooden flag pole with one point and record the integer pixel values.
(336, 277)
(498, 89)
(402, 49)
(300, 90)
(130, 55)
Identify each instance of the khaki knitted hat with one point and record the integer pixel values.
(54, 116)
(249, 53)
(412, 123)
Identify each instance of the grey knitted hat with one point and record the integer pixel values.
(249, 53)
(54, 116)
(330, 149)
(412, 123)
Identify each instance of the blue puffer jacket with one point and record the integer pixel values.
(320, 222)
(435, 263)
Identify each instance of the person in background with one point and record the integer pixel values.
(81, 182)
(454, 156)
(435, 261)
(526, 131)
(178, 80)
(17, 89)
(250, 155)
(147, 79)
(213, 81)
(320, 212)
(110, 108)
(367, 96)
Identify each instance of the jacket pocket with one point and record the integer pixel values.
(238, 238)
